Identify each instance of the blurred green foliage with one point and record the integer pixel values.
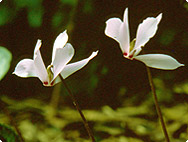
(57, 19)
(5, 15)
(88, 6)
(69, 2)
(7, 134)
(34, 9)
(167, 36)
(35, 17)
(28, 3)
(128, 123)
(5, 60)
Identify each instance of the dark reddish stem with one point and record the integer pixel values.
(13, 123)
(157, 105)
(75, 103)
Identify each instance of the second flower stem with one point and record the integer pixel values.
(157, 105)
(75, 103)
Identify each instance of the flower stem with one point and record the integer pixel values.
(157, 105)
(75, 103)
(5, 110)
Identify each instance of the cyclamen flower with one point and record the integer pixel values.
(119, 31)
(61, 55)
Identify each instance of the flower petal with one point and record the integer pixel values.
(73, 67)
(159, 61)
(60, 42)
(25, 68)
(112, 28)
(61, 58)
(146, 30)
(39, 64)
(119, 31)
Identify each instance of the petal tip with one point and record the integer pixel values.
(38, 45)
(159, 17)
(94, 54)
(125, 16)
(126, 10)
(64, 32)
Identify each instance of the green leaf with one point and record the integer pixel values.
(5, 60)
(7, 134)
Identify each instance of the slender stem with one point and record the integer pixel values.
(13, 123)
(75, 103)
(55, 97)
(157, 105)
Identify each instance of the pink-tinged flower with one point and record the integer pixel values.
(119, 31)
(62, 54)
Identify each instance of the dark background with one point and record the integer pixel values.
(108, 78)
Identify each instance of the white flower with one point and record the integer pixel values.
(119, 31)
(62, 54)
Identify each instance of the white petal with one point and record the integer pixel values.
(39, 64)
(137, 51)
(124, 37)
(159, 61)
(25, 68)
(60, 42)
(73, 67)
(119, 31)
(57, 80)
(112, 28)
(147, 30)
(62, 57)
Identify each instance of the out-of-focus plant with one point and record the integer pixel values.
(34, 8)
(35, 11)
(6, 15)
(7, 134)
(5, 60)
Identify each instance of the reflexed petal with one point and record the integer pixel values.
(37, 47)
(159, 61)
(73, 67)
(147, 30)
(119, 31)
(112, 28)
(62, 57)
(39, 64)
(124, 37)
(25, 68)
(60, 42)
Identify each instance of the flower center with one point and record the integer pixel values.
(132, 44)
(52, 83)
(131, 57)
(125, 54)
(50, 73)
(45, 83)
